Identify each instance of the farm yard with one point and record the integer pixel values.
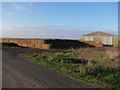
(98, 66)
(60, 45)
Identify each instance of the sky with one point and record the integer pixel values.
(67, 20)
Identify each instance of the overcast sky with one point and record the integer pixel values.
(58, 20)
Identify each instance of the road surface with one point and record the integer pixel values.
(20, 73)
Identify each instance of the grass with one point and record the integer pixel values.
(0, 45)
(97, 66)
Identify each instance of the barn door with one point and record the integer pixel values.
(105, 41)
(91, 38)
(86, 38)
(110, 40)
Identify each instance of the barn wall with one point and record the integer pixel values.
(115, 40)
(103, 39)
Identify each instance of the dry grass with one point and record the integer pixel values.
(107, 56)
(96, 65)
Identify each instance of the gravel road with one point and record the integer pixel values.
(17, 72)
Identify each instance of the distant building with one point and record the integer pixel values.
(102, 37)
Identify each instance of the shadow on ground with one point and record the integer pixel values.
(12, 45)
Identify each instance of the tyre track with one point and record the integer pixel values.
(33, 75)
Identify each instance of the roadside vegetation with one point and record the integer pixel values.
(99, 66)
(0, 45)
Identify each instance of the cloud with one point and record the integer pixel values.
(9, 13)
(47, 31)
(18, 7)
(31, 4)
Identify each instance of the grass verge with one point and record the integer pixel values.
(98, 71)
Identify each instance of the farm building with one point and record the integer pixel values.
(102, 37)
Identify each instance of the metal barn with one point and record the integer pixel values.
(102, 37)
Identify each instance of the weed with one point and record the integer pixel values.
(89, 65)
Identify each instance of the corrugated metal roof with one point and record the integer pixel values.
(99, 33)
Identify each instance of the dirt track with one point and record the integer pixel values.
(20, 73)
